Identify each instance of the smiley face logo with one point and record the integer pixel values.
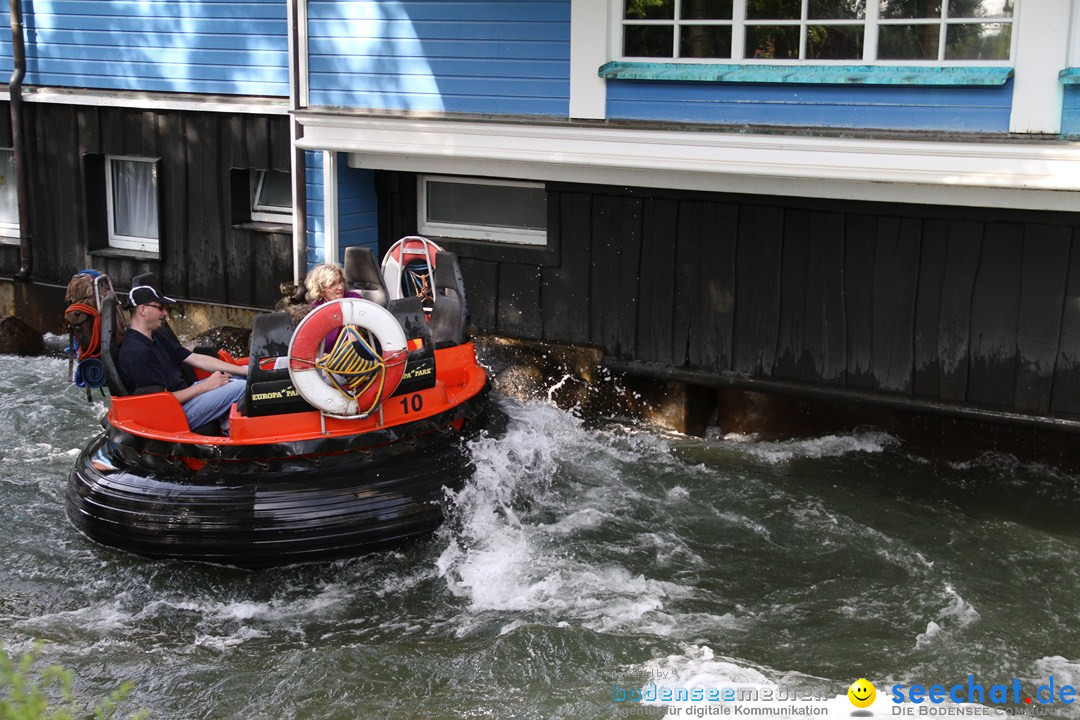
(862, 693)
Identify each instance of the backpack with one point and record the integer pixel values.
(84, 293)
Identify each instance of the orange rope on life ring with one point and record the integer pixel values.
(306, 346)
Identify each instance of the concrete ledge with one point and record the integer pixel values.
(846, 395)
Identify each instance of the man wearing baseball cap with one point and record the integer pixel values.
(150, 359)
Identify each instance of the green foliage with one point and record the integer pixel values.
(640, 9)
(27, 693)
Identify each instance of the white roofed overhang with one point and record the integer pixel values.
(1008, 173)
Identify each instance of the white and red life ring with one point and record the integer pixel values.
(407, 250)
(306, 346)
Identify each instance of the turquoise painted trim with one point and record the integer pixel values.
(1070, 76)
(808, 74)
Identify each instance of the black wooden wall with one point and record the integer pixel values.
(969, 305)
(204, 255)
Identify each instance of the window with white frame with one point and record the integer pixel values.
(132, 200)
(271, 196)
(482, 209)
(9, 197)
(865, 31)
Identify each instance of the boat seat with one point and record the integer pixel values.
(409, 312)
(110, 344)
(420, 365)
(362, 274)
(271, 392)
(450, 312)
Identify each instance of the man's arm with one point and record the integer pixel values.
(219, 369)
(212, 364)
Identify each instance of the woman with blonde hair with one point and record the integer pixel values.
(326, 283)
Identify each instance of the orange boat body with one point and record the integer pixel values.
(158, 416)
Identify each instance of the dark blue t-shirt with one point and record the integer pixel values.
(143, 361)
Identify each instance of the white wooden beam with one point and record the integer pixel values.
(1042, 51)
(588, 51)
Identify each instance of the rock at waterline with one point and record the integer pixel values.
(234, 340)
(18, 338)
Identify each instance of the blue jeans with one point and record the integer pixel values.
(214, 404)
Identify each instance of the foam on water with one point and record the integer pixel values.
(510, 549)
(828, 446)
(952, 618)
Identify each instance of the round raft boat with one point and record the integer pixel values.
(331, 453)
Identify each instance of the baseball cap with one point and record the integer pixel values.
(142, 294)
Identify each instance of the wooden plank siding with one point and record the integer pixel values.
(968, 306)
(192, 46)
(316, 208)
(358, 219)
(204, 253)
(476, 57)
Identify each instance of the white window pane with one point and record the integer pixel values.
(134, 198)
(834, 42)
(978, 41)
(772, 42)
(274, 192)
(648, 40)
(508, 211)
(706, 10)
(910, 9)
(836, 10)
(705, 41)
(909, 42)
(500, 206)
(648, 9)
(9, 199)
(774, 9)
(981, 9)
(819, 30)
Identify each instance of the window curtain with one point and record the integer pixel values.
(134, 187)
(9, 200)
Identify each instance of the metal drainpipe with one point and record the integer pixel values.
(18, 141)
(299, 169)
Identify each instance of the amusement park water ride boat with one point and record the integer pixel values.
(330, 454)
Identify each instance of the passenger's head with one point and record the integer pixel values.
(325, 282)
(149, 306)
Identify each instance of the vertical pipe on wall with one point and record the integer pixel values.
(298, 166)
(18, 142)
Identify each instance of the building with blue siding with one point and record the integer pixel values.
(157, 140)
(864, 198)
(855, 198)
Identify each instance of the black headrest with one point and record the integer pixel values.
(270, 335)
(362, 273)
(450, 313)
(110, 344)
(149, 278)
